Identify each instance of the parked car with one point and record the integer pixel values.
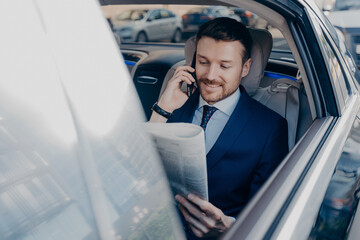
(195, 17)
(247, 17)
(345, 15)
(76, 162)
(142, 25)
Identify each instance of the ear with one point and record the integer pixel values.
(246, 67)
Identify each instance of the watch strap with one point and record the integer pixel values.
(161, 111)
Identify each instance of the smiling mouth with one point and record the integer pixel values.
(209, 85)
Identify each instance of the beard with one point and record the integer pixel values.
(213, 91)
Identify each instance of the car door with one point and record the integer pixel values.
(288, 206)
(153, 26)
(168, 24)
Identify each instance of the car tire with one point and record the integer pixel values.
(177, 36)
(141, 37)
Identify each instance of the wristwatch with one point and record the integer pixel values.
(161, 111)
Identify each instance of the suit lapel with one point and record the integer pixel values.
(233, 128)
(186, 112)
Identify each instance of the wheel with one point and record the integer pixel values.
(177, 36)
(141, 37)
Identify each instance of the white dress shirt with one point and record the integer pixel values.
(218, 120)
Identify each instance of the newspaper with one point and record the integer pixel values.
(182, 150)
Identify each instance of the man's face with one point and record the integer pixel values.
(219, 68)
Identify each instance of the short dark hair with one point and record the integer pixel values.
(227, 29)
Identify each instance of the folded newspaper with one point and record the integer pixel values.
(182, 150)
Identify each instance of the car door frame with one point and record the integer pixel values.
(153, 26)
(288, 203)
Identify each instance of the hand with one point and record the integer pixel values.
(205, 219)
(173, 97)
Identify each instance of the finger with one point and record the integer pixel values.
(184, 76)
(184, 68)
(189, 206)
(194, 223)
(197, 232)
(178, 79)
(194, 211)
(214, 213)
(205, 206)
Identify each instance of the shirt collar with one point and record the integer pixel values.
(226, 105)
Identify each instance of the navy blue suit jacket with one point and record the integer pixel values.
(250, 147)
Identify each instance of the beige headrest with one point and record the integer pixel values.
(190, 48)
(262, 44)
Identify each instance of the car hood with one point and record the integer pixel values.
(122, 24)
(345, 19)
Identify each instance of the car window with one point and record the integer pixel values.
(342, 5)
(336, 68)
(189, 20)
(155, 15)
(164, 14)
(131, 15)
(224, 11)
(327, 46)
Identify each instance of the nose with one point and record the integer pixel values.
(212, 72)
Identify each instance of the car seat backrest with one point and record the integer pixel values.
(282, 96)
(260, 53)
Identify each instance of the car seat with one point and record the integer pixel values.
(282, 96)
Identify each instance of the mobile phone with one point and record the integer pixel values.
(190, 87)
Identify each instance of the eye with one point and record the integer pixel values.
(225, 66)
(202, 62)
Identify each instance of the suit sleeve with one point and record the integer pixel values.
(274, 151)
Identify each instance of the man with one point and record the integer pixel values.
(245, 141)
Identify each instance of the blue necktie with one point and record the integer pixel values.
(207, 113)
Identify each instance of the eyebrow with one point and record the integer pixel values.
(223, 61)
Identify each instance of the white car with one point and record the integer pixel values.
(345, 15)
(144, 25)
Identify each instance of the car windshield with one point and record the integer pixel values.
(342, 5)
(132, 15)
(198, 10)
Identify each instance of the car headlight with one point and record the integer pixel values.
(125, 31)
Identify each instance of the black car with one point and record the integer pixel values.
(247, 17)
(195, 17)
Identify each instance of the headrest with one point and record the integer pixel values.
(190, 48)
(260, 53)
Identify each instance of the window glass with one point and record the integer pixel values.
(332, 63)
(343, 5)
(165, 14)
(155, 15)
(188, 19)
(341, 197)
(132, 15)
(338, 69)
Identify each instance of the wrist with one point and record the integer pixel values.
(162, 104)
(162, 112)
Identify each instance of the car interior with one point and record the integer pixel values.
(280, 78)
(275, 77)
